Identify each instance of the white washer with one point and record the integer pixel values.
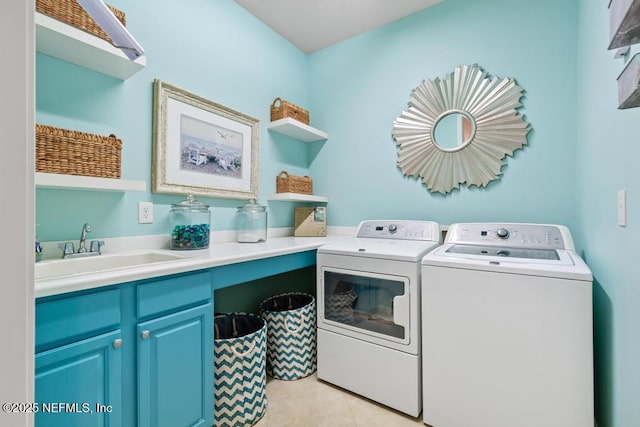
(507, 329)
(369, 311)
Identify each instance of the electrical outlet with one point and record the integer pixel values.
(145, 212)
(622, 208)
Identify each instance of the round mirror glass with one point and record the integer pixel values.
(453, 130)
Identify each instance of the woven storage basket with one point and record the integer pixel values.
(286, 183)
(71, 152)
(70, 12)
(281, 109)
(240, 361)
(291, 335)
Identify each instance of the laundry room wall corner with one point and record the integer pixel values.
(607, 154)
(360, 86)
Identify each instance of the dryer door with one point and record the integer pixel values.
(356, 302)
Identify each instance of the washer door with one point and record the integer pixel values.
(356, 302)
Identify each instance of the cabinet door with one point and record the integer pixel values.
(175, 369)
(80, 384)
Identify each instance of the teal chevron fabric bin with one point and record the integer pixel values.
(291, 335)
(240, 363)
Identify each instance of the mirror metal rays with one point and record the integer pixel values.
(458, 130)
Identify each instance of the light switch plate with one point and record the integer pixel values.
(622, 208)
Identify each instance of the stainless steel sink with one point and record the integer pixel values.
(66, 267)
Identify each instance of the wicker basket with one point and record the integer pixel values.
(281, 109)
(76, 153)
(70, 12)
(286, 183)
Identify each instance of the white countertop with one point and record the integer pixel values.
(216, 255)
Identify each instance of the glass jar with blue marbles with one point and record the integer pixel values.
(190, 224)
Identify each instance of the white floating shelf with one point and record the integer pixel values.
(66, 42)
(296, 197)
(297, 130)
(73, 182)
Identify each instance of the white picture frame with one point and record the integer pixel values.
(201, 147)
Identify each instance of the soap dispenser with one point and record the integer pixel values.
(38, 249)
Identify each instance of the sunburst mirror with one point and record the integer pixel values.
(458, 130)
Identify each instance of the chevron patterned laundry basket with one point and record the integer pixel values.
(338, 305)
(239, 360)
(291, 335)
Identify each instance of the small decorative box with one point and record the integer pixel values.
(310, 222)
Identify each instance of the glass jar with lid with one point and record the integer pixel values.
(251, 223)
(190, 221)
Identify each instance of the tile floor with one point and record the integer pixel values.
(309, 402)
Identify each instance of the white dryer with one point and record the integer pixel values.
(369, 311)
(507, 329)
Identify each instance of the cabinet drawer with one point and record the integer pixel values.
(65, 320)
(174, 293)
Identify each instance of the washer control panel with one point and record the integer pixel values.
(400, 230)
(511, 235)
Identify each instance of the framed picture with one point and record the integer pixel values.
(201, 147)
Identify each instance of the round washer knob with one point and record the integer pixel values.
(502, 233)
(393, 228)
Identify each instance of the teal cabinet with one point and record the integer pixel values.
(135, 354)
(175, 369)
(79, 384)
(174, 334)
(78, 362)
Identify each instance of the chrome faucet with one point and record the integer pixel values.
(94, 248)
(86, 228)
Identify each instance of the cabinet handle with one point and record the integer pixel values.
(145, 334)
(117, 343)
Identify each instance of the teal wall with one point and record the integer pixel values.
(607, 158)
(212, 48)
(359, 87)
(581, 151)
(354, 90)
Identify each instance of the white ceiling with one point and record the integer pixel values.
(311, 25)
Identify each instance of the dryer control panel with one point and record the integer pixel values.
(511, 235)
(400, 230)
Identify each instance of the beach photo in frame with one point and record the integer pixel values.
(201, 147)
